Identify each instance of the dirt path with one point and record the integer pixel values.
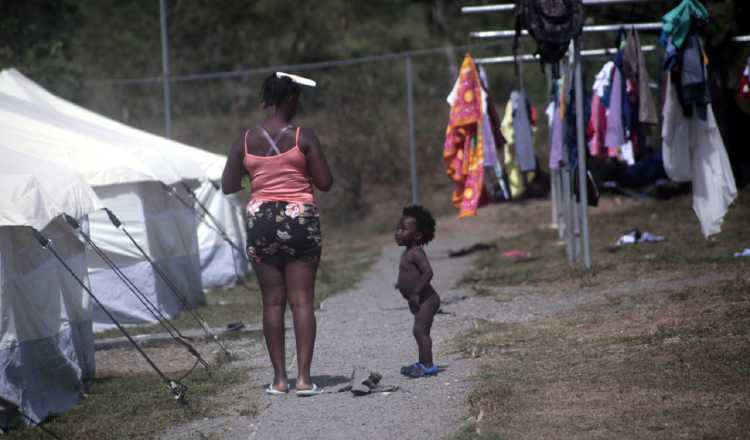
(369, 326)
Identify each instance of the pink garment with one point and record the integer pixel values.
(280, 178)
(597, 127)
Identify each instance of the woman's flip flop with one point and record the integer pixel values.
(309, 392)
(274, 392)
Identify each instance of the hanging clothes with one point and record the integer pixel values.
(522, 122)
(676, 24)
(495, 184)
(597, 125)
(463, 152)
(693, 89)
(510, 162)
(694, 151)
(634, 69)
(555, 129)
(615, 133)
(570, 132)
(744, 91)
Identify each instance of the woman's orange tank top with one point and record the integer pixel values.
(283, 177)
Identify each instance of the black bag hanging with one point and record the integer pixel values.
(552, 24)
(592, 189)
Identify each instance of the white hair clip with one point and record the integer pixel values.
(297, 79)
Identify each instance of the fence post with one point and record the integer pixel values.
(410, 116)
(165, 69)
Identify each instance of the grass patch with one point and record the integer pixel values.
(684, 252)
(137, 406)
(607, 373)
(658, 360)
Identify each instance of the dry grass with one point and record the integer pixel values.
(666, 356)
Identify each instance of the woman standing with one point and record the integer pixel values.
(283, 162)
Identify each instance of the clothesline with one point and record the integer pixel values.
(594, 28)
(652, 26)
(592, 53)
(511, 6)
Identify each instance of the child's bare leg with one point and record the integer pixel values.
(422, 325)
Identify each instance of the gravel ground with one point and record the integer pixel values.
(368, 326)
(371, 327)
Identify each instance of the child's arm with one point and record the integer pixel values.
(419, 258)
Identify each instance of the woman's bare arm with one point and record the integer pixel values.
(234, 170)
(320, 172)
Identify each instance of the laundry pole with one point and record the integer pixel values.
(582, 169)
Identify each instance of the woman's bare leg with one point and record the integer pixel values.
(273, 290)
(300, 288)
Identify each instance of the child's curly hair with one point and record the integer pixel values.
(425, 222)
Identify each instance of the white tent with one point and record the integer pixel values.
(46, 337)
(221, 264)
(128, 176)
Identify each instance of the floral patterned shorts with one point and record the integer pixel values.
(278, 231)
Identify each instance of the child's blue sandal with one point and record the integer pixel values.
(422, 371)
(405, 370)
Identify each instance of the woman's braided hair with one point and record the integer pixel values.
(276, 90)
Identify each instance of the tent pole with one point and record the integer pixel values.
(165, 69)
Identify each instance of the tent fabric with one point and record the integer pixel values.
(35, 131)
(35, 192)
(166, 230)
(189, 163)
(128, 169)
(46, 337)
(167, 154)
(221, 264)
(125, 185)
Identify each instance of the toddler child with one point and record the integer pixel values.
(415, 229)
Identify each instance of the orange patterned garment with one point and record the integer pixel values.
(463, 153)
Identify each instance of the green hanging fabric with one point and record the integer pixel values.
(676, 23)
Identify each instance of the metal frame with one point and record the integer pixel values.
(576, 55)
(595, 28)
(510, 7)
(592, 53)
